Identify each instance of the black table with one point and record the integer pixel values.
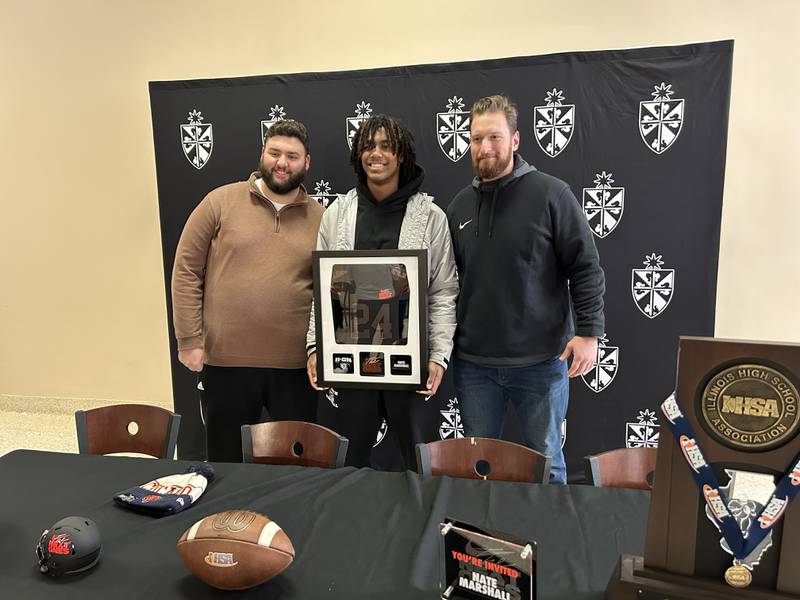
(358, 533)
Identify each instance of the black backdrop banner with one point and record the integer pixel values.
(640, 136)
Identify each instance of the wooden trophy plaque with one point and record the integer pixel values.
(741, 400)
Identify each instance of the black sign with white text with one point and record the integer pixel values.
(478, 565)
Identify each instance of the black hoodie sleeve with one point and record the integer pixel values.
(577, 256)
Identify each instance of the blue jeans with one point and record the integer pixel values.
(538, 392)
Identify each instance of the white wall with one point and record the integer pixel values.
(82, 306)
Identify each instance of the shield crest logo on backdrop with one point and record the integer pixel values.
(661, 119)
(451, 426)
(605, 366)
(197, 140)
(363, 111)
(276, 113)
(603, 205)
(452, 130)
(330, 396)
(322, 193)
(652, 287)
(643, 433)
(382, 431)
(553, 123)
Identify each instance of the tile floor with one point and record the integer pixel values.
(40, 423)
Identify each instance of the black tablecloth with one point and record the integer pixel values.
(357, 533)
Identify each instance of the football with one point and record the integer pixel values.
(236, 549)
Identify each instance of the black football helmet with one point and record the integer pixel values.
(71, 545)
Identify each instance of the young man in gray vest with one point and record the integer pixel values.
(387, 211)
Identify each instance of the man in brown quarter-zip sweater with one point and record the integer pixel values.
(241, 293)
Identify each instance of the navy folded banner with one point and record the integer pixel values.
(167, 495)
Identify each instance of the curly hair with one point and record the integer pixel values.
(401, 141)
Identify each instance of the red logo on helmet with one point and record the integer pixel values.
(59, 544)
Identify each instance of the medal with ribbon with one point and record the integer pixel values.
(746, 524)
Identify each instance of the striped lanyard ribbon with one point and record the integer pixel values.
(741, 545)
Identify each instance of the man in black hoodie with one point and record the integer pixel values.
(386, 210)
(531, 288)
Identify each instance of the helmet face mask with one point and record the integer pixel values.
(71, 545)
(41, 552)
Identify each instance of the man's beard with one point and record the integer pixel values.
(492, 169)
(284, 187)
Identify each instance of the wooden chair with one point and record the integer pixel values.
(140, 428)
(623, 467)
(483, 458)
(293, 443)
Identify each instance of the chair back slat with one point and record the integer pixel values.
(483, 458)
(293, 443)
(139, 428)
(622, 467)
